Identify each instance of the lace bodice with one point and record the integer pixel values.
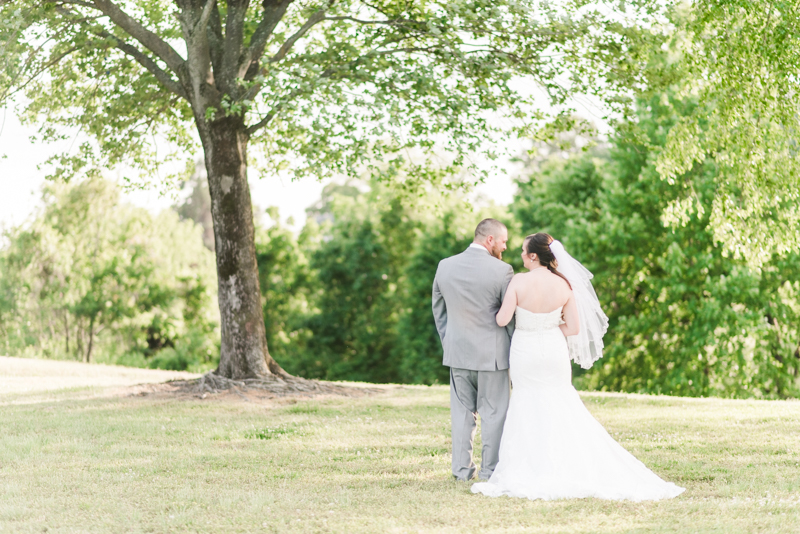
(527, 320)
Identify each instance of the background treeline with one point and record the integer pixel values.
(93, 279)
(348, 298)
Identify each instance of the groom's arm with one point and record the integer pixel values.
(439, 308)
(504, 287)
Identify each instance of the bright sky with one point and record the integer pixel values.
(21, 181)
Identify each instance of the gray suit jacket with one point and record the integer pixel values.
(467, 293)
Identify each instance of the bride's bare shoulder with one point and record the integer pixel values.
(558, 283)
(522, 278)
(517, 279)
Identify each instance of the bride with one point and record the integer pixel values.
(552, 447)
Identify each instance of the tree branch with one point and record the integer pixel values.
(312, 20)
(79, 3)
(361, 21)
(11, 90)
(232, 47)
(376, 8)
(204, 16)
(327, 73)
(148, 39)
(263, 122)
(273, 13)
(215, 39)
(146, 62)
(405, 49)
(143, 59)
(317, 17)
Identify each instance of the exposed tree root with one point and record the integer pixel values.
(255, 390)
(287, 385)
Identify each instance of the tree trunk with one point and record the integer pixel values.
(244, 351)
(66, 331)
(78, 338)
(88, 357)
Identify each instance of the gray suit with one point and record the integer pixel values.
(467, 293)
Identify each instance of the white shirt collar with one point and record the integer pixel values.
(479, 247)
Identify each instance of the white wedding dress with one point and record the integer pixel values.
(552, 447)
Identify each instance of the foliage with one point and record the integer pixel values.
(562, 199)
(91, 273)
(741, 61)
(359, 270)
(350, 299)
(685, 318)
(287, 286)
(322, 87)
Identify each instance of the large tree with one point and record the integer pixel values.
(321, 87)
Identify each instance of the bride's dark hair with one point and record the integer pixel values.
(539, 244)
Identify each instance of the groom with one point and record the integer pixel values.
(467, 293)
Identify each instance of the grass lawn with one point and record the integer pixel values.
(375, 464)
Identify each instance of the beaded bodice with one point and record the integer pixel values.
(527, 320)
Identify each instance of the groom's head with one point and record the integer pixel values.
(493, 235)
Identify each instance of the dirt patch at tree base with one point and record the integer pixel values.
(214, 387)
(27, 380)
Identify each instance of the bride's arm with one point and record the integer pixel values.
(572, 324)
(509, 306)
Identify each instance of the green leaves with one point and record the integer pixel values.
(330, 94)
(741, 62)
(350, 299)
(686, 319)
(91, 272)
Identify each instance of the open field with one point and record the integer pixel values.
(73, 463)
(27, 375)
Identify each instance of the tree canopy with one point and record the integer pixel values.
(322, 87)
(739, 62)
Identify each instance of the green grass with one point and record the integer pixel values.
(375, 464)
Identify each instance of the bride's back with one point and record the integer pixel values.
(541, 291)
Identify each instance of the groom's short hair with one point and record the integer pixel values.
(488, 227)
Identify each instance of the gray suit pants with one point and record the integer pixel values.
(472, 393)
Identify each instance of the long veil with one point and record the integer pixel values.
(586, 347)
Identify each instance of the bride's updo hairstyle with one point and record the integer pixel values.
(539, 244)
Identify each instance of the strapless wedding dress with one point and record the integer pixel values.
(552, 447)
